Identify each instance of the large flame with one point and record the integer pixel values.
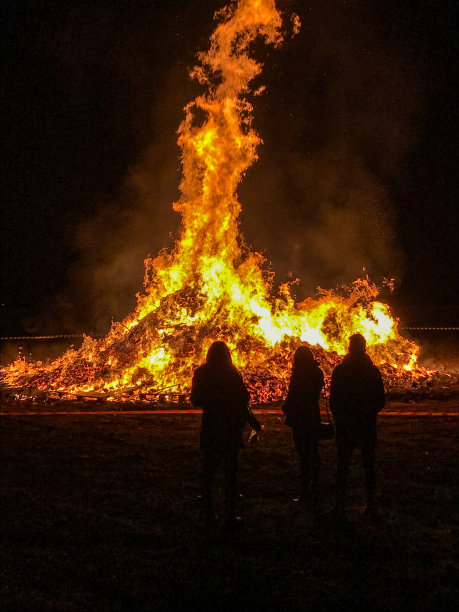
(210, 285)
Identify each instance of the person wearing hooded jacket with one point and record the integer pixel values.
(302, 411)
(356, 396)
(219, 390)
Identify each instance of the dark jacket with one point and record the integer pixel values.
(224, 399)
(302, 402)
(356, 396)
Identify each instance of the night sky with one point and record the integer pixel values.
(358, 169)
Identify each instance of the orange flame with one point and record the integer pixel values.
(210, 285)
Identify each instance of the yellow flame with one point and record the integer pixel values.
(210, 285)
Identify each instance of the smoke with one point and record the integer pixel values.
(114, 242)
(337, 119)
(131, 84)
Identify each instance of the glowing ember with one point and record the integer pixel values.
(210, 285)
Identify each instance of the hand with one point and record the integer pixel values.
(254, 437)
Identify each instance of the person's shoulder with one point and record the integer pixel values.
(338, 368)
(318, 370)
(376, 371)
(200, 370)
(233, 371)
(368, 361)
(337, 374)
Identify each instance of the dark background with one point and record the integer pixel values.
(357, 173)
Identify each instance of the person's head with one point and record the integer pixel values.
(357, 344)
(303, 356)
(218, 355)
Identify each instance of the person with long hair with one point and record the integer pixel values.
(302, 410)
(219, 390)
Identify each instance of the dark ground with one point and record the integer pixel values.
(100, 513)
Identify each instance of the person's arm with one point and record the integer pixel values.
(380, 394)
(245, 400)
(255, 435)
(196, 395)
(252, 420)
(294, 395)
(335, 393)
(320, 381)
(241, 397)
(286, 403)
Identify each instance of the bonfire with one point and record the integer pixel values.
(211, 285)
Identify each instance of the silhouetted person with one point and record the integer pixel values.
(303, 415)
(219, 390)
(356, 397)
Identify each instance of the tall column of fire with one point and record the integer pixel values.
(210, 285)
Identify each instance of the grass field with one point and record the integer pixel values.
(101, 513)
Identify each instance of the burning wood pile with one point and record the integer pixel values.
(211, 286)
